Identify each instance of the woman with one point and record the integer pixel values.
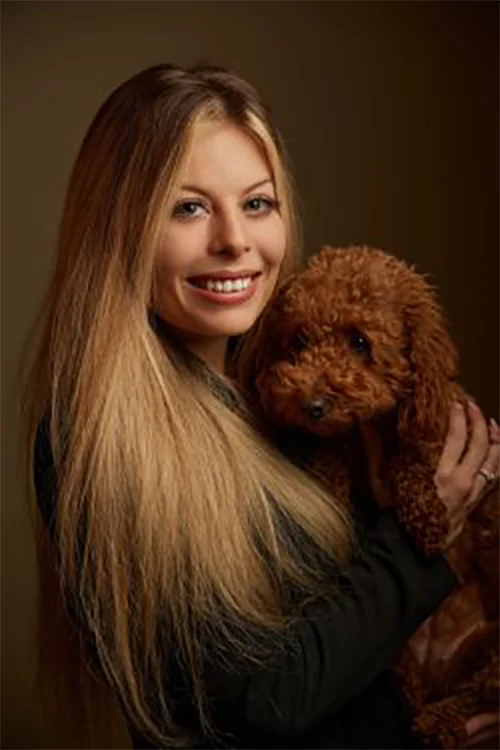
(218, 589)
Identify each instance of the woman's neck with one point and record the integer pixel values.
(212, 351)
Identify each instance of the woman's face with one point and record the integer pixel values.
(222, 246)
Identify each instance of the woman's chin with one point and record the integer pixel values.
(229, 322)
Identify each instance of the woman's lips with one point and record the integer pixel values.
(224, 298)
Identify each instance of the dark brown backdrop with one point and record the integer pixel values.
(389, 110)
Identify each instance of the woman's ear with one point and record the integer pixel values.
(433, 360)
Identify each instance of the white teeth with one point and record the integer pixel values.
(227, 286)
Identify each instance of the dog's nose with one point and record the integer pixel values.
(316, 409)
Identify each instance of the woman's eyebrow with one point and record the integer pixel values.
(201, 191)
(257, 185)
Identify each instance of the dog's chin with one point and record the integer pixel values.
(291, 417)
(326, 429)
(335, 422)
(332, 424)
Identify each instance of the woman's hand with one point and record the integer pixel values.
(467, 469)
(469, 465)
(483, 731)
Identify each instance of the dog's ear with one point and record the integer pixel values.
(433, 359)
(283, 288)
(257, 350)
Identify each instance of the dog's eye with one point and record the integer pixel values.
(298, 343)
(358, 342)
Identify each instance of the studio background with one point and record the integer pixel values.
(390, 114)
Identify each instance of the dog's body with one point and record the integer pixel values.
(355, 351)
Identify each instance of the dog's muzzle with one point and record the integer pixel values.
(316, 409)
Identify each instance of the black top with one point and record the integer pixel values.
(333, 688)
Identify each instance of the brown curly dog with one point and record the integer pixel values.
(358, 340)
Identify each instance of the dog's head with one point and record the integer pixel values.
(356, 335)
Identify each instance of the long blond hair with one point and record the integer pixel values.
(172, 508)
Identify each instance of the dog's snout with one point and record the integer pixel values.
(316, 409)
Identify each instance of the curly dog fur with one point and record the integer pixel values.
(358, 339)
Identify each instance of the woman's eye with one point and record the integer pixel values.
(261, 205)
(187, 209)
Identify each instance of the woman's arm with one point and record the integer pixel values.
(338, 645)
(342, 643)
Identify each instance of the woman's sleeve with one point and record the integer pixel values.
(342, 644)
(339, 645)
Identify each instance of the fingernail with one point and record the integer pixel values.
(493, 424)
(457, 406)
(473, 406)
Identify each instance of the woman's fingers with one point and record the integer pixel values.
(482, 727)
(487, 475)
(494, 432)
(455, 442)
(478, 445)
(468, 465)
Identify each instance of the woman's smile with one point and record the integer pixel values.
(225, 288)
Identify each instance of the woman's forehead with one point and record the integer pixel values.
(224, 151)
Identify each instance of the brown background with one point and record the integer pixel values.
(390, 112)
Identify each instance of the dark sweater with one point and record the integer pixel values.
(333, 688)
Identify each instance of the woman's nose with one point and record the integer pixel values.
(229, 236)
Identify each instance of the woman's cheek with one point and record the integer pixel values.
(276, 246)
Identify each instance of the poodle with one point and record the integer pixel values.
(356, 346)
